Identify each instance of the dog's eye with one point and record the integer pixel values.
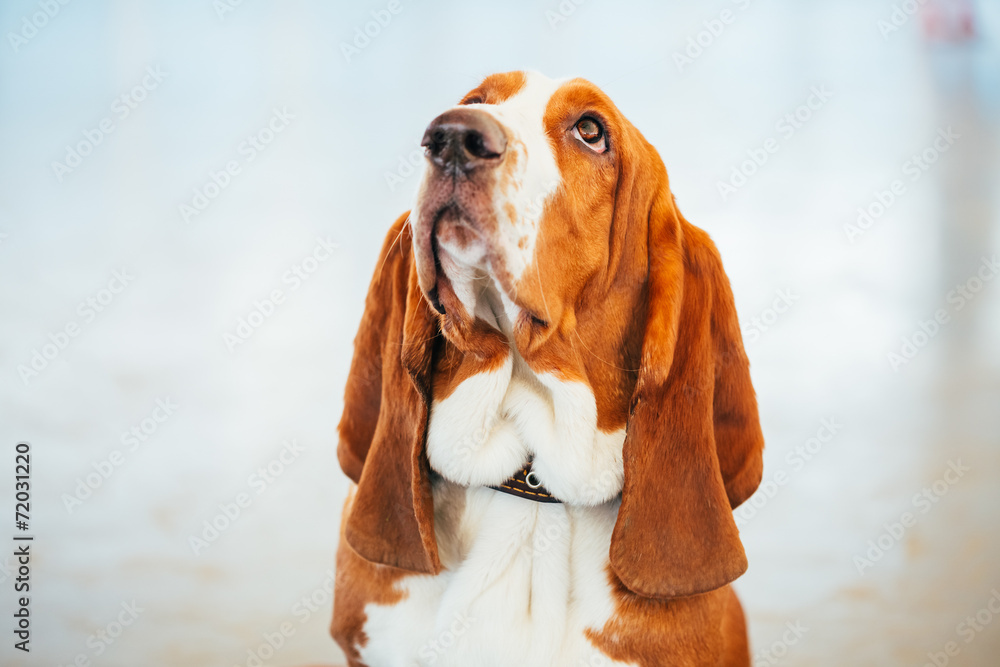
(590, 132)
(473, 100)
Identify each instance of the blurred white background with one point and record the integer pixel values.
(336, 172)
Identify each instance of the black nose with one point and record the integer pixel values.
(461, 140)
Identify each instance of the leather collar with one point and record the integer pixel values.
(524, 484)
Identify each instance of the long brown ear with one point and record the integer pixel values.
(384, 425)
(693, 443)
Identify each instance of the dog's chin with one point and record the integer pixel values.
(460, 248)
(456, 257)
(448, 250)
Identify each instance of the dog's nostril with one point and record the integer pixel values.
(437, 141)
(475, 144)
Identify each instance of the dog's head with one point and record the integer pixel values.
(542, 194)
(521, 193)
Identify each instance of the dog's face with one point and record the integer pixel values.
(519, 195)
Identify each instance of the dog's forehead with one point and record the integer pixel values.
(531, 100)
(519, 103)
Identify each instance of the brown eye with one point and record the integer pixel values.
(473, 100)
(589, 129)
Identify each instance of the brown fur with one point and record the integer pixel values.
(701, 631)
(358, 582)
(496, 88)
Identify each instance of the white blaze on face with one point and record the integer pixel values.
(520, 196)
(526, 178)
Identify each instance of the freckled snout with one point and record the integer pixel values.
(459, 141)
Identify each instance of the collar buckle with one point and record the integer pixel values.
(525, 484)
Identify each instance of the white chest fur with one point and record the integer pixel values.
(491, 424)
(522, 581)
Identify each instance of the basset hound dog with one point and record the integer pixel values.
(549, 416)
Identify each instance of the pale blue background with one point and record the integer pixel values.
(325, 175)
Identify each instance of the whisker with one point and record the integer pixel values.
(394, 241)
